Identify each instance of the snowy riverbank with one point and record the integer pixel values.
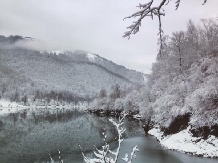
(7, 107)
(10, 107)
(186, 143)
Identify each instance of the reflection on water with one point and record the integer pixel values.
(30, 135)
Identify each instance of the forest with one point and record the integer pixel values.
(182, 89)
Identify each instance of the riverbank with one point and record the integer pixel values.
(7, 107)
(150, 151)
(185, 142)
(179, 136)
(182, 141)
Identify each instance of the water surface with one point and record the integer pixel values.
(150, 151)
(31, 135)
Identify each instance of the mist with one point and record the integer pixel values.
(96, 26)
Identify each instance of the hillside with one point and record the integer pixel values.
(27, 71)
(132, 75)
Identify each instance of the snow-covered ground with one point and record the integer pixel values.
(145, 77)
(91, 56)
(186, 143)
(57, 52)
(7, 107)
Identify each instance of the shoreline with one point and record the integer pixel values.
(184, 142)
(7, 107)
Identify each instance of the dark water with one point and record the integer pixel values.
(31, 135)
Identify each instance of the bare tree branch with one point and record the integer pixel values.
(177, 4)
(204, 2)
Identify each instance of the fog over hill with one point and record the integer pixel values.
(26, 71)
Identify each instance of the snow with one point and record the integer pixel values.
(9, 107)
(186, 143)
(91, 56)
(137, 116)
(57, 52)
(145, 78)
(29, 38)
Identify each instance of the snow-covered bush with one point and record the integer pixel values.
(102, 104)
(132, 101)
(94, 104)
(120, 100)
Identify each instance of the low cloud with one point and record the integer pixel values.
(96, 26)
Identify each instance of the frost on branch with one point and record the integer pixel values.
(59, 157)
(105, 155)
(132, 155)
(149, 10)
(146, 9)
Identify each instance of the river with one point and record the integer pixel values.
(29, 136)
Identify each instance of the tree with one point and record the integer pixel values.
(193, 53)
(24, 99)
(15, 97)
(3, 89)
(208, 37)
(177, 46)
(149, 10)
(116, 92)
(103, 93)
(37, 95)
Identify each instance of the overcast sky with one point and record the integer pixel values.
(97, 26)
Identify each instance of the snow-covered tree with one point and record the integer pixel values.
(184, 79)
(103, 93)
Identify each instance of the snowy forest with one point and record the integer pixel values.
(182, 90)
(183, 80)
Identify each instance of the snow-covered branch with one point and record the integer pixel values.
(105, 155)
(149, 10)
(59, 157)
(132, 155)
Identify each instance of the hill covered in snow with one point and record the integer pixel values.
(83, 74)
(82, 56)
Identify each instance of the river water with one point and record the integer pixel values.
(31, 135)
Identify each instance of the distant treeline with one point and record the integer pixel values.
(47, 97)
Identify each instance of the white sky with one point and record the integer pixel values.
(97, 26)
